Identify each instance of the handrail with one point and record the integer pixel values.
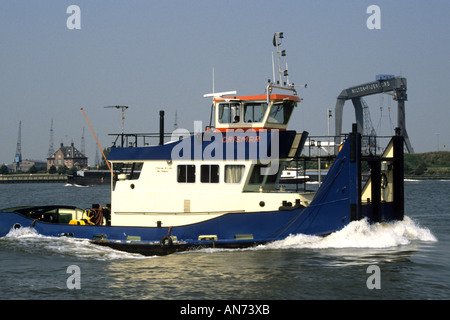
(371, 145)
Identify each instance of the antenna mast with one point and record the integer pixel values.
(280, 53)
(283, 73)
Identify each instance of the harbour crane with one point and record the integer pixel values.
(383, 83)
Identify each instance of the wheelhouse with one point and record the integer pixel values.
(254, 112)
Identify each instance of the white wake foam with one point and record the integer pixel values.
(75, 185)
(22, 233)
(357, 234)
(362, 234)
(28, 240)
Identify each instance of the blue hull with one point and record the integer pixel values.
(336, 203)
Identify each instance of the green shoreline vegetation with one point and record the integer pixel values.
(428, 165)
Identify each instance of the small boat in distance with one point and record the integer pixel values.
(293, 176)
(220, 187)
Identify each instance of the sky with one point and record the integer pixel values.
(160, 55)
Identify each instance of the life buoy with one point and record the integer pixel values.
(166, 241)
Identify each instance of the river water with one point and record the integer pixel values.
(404, 260)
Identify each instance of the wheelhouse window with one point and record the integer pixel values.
(186, 173)
(229, 113)
(281, 112)
(209, 173)
(234, 173)
(127, 170)
(257, 177)
(254, 112)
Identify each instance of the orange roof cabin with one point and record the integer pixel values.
(258, 112)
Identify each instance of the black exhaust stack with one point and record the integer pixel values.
(161, 127)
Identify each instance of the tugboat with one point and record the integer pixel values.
(219, 187)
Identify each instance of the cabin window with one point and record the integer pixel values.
(281, 112)
(257, 177)
(254, 112)
(127, 170)
(186, 173)
(234, 173)
(209, 173)
(229, 113)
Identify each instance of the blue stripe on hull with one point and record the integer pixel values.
(263, 226)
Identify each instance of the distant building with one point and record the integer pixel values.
(25, 165)
(68, 156)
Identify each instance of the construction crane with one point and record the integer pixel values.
(51, 150)
(83, 145)
(18, 156)
(123, 108)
